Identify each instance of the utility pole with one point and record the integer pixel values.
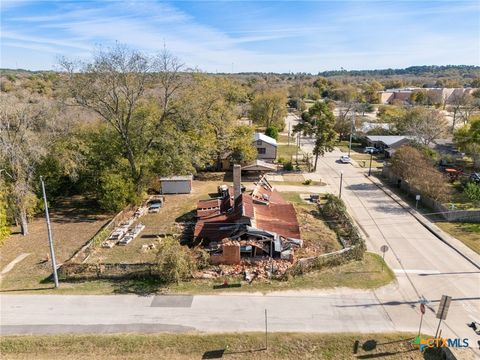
(266, 330)
(298, 145)
(370, 167)
(50, 240)
(288, 135)
(341, 181)
(351, 132)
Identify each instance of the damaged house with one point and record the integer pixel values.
(254, 224)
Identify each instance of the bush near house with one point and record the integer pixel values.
(472, 192)
(335, 215)
(177, 262)
(337, 218)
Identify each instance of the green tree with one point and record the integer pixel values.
(4, 227)
(472, 192)
(241, 146)
(115, 192)
(269, 108)
(467, 139)
(319, 122)
(272, 131)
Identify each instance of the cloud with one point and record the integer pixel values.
(271, 36)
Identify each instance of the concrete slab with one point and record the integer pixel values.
(172, 301)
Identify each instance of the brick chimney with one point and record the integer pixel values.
(237, 180)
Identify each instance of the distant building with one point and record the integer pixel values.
(389, 143)
(445, 95)
(266, 147)
(176, 184)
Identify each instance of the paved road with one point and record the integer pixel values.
(332, 311)
(425, 266)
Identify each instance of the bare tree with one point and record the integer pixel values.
(23, 137)
(426, 125)
(114, 86)
(461, 105)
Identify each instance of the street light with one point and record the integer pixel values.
(341, 181)
(370, 167)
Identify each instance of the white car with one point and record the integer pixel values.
(345, 159)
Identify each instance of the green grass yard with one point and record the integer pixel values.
(392, 346)
(468, 233)
(365, 274)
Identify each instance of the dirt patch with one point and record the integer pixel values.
(176, 217)
(74, 221)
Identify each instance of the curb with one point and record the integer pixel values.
(424, 222)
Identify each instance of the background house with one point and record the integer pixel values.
(266, 147)
(389, 143)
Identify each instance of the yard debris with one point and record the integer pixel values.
(148, 247)
(249, 269)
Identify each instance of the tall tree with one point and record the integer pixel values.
(411, 165)
(4, 228)
(23, 138)
(269, 108)
(467, 139)
(319, 122)
(426, 125)
(114, 87)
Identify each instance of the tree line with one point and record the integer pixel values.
(110, 127)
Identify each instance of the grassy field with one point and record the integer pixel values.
(231, 346)
(468, 233)
(74, 221)
(286, 152)
(365, 274)
(283, 138)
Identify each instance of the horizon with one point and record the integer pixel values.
(246, 37)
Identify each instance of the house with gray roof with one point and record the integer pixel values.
(266, 147)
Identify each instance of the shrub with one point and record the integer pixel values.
(4, 228)
(472, 192)
(288, 166)
(272, 131)
(307, 182)
(174, 261)
(281, 160)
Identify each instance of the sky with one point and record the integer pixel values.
(242, 36)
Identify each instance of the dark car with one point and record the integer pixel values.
(371, 150)
(475, 177)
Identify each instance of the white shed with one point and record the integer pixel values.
(176, 184)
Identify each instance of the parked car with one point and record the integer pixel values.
(345, 159)
(371, 150)
(154, 208)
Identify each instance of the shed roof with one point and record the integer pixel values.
(259, 136)
(259, 165)
(177, 178)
